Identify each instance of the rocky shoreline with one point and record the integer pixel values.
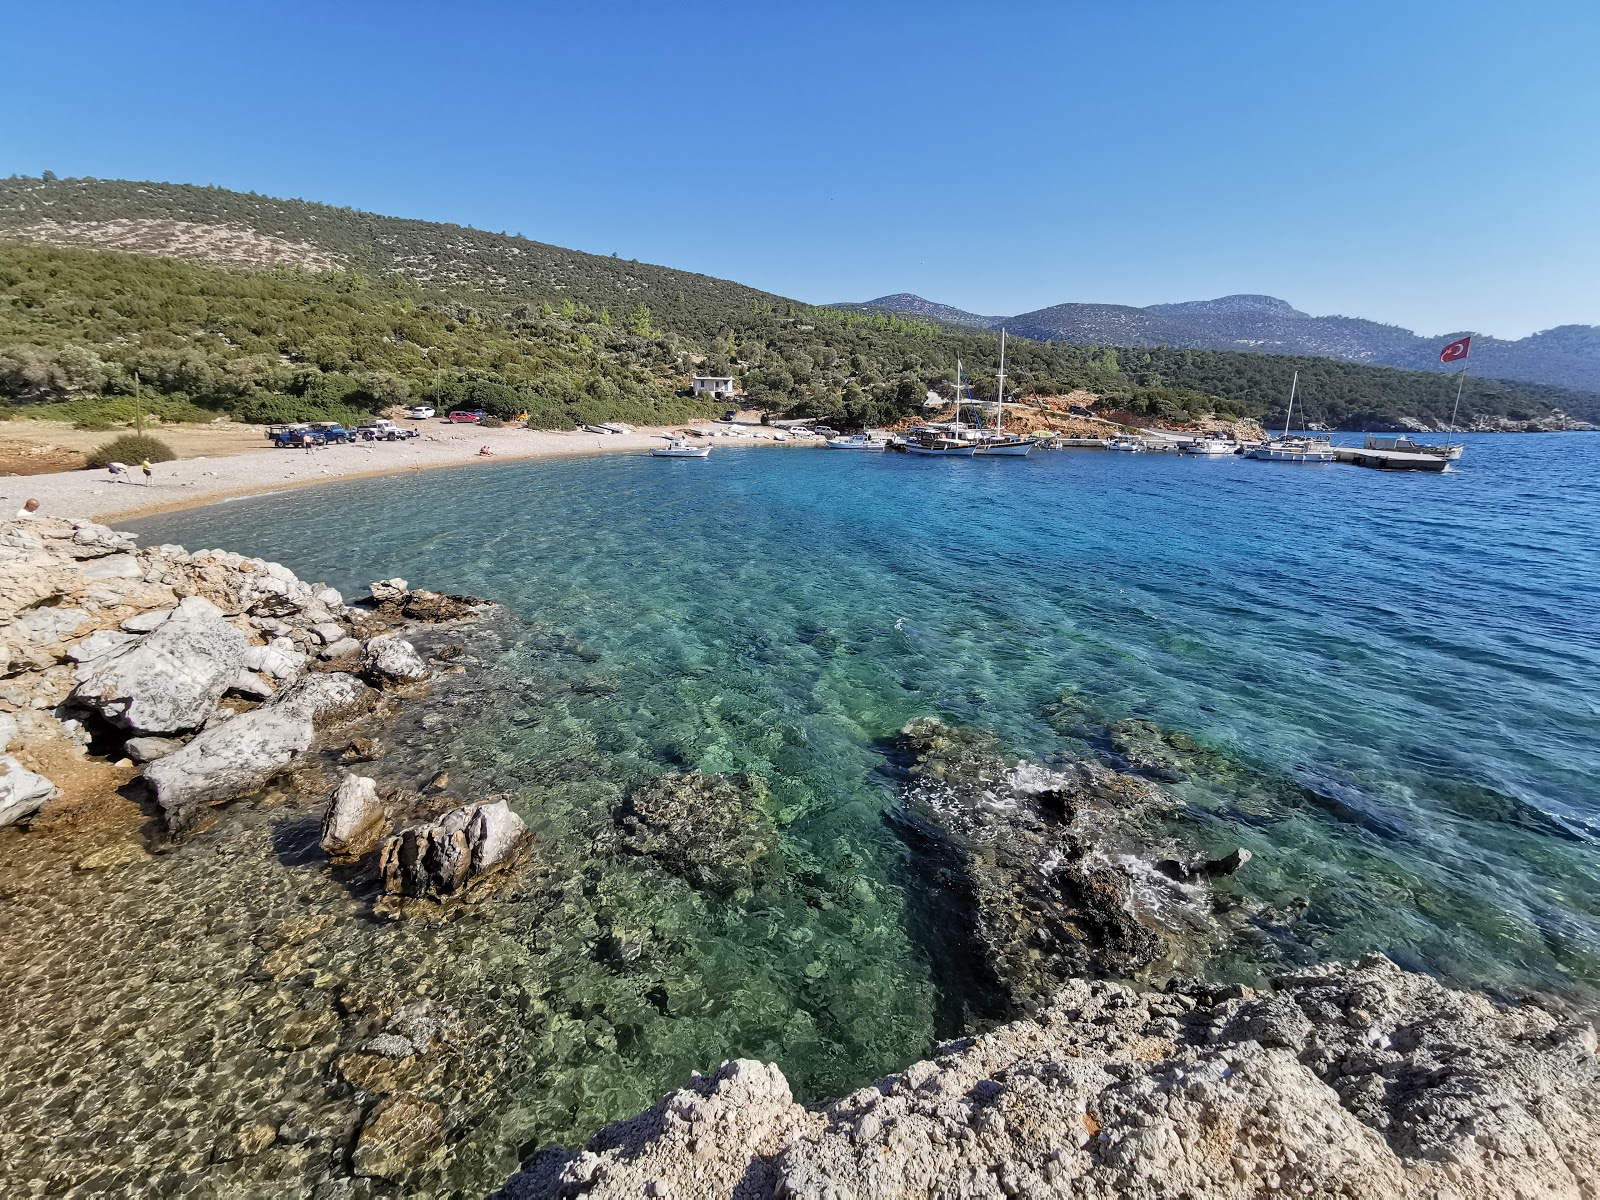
(1067, 922)
(1358, 1080)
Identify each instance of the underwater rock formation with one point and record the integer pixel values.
(713, 831)
(1358, 1080)
(1049, 867)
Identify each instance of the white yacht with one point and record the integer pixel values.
(1128, 445)
(1210, 446)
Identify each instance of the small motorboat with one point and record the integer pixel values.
(1128, 445)
(1209, 446)
(678, 448)
(857, 441)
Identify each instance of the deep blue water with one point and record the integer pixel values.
(1401, 667)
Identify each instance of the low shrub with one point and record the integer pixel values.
(492, 423)
(131, 448)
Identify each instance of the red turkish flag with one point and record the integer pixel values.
(1456, 350)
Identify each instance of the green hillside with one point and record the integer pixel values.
(271, 309)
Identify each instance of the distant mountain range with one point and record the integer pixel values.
(1567, 356)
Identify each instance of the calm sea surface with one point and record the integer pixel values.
(1400, 672)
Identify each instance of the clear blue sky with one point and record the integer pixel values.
(1435, 165)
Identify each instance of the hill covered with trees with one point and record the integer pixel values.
(269, 309)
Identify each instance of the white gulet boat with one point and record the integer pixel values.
(678, 448)
(998, 444)
(1302, 449)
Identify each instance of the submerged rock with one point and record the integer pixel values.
(170, 679)
(401, 1131)
(444, 857)
(355, 820)
(1351, 1080)
(712, 830)
(1043, 874)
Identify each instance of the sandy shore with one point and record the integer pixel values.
(194, 481)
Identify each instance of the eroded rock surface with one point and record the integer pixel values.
(1050, 868)
(441, 858)
(1362, 1081)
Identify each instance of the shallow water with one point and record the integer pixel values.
(1394, 675)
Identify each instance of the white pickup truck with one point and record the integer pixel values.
(384, 430)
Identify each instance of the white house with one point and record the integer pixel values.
(715, 385)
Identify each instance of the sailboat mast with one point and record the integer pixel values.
(1289, 416)
(1000, 392)
(958, 399)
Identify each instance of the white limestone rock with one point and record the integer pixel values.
(389, 657)
(172, 678)
(22, 792)
(355, 820)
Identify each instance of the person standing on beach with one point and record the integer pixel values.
(148, 471)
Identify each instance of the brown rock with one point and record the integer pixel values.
(400, 1133)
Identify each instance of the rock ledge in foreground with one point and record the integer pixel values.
(1363, 1081)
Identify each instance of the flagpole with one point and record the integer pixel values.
(1460, 379)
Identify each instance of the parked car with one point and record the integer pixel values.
(385, 431)
(332, 432)
(422, 413)
(472, 416)
(731, 415)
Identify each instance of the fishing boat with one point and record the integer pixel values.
(857, 441)
(998, 444)
(1210, 447)
(1300, 449)
(678, 448)
(1128, 445)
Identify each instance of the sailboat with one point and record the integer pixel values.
(1285, 448)
(936, 442)
(1000, 443)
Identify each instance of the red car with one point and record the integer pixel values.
(472, 415)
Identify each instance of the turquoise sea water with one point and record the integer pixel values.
(1399, 673)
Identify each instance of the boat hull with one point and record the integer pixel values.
(941, 451)
(1294, 456)
(697, 452)
(1009, 450)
